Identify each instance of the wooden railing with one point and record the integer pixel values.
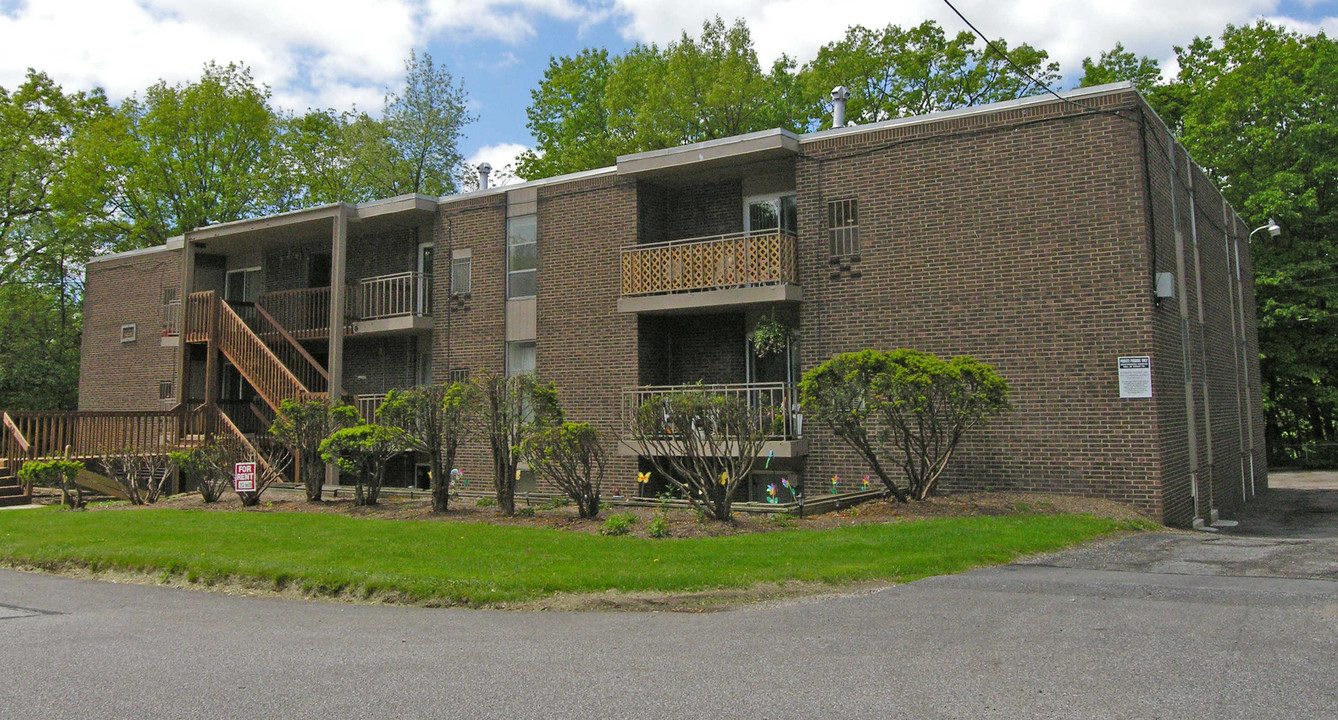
(394, 295)
(199, 316)
(305, 313)
(256, 362)
(777, 413)
(709, 263)
(286, 347)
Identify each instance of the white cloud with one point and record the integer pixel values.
(310, 52)
(1069, 31)
(510, 21)
(502, 158)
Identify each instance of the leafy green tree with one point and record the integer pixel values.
(894, 72)
(1258, 107)
(194, 154)
(568, 119)
(590, 108)
(363, 451)
(302, 425)
(571, 458)
(903, 407)
(435, 420)
(1119, 64)
(422, 129)
(512, 408)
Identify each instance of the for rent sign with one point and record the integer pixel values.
(244, 477)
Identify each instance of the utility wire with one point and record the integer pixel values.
(1028, 75)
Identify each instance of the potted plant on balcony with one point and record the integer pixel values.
(770, 336)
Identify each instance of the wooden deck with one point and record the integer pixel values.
(90, 436)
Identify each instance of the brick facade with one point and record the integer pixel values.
(1028, 235)
(128, 289)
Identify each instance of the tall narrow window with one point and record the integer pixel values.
(520, 358)
(462, 272)
(843, 227)
(522, 258)
(165, 390)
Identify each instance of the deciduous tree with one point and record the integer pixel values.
(435, 420)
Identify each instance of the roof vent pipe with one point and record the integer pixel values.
(839, 97)
(484, 170)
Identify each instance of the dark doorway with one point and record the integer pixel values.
(318, 270)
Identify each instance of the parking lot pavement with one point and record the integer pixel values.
(1239, 624)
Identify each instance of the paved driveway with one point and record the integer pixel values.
(1238, 624)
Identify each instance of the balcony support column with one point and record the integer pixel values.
(183, 347)
(338, 308)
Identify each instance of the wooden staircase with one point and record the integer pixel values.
(264, 353)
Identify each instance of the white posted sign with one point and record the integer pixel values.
(1136, 377)
(244, 477)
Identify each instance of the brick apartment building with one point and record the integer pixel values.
(1035, 235)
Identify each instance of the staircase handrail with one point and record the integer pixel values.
(283, 332)
(273, 393)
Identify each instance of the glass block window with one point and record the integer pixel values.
(843, 227)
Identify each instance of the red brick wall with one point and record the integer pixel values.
(125, 376)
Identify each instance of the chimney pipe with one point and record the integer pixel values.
(839, 97)
(484, 170)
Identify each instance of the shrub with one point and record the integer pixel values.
(512, 408)
(302, 425)
(570, 457)
(58, 474)
(363, 451)
(904, 408)
(435, 420)
(618, 524)
(704, 444)
(525, 512)
(486, 502)
(138, 476)
(659, 527)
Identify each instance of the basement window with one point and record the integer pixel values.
(843, 228)
(128, 333)
(458, 375)
(165, 390)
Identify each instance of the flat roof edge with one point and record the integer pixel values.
(165, 247)
(1043, 99)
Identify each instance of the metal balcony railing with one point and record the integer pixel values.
(172, 318)
(776, 405)
(395, 295)
(709, 263)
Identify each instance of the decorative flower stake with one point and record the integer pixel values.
(866, 482)
(836, 482)
(771, 494)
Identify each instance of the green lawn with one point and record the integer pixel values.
(479, 564)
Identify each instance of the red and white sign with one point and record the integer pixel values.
(244, 477)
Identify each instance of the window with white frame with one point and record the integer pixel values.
(522, 257)
(128, 332)
(462, 272)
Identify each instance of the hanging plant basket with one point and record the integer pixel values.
(770, 337)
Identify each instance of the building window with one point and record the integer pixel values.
(170, 295)
(128, 333)
(843, 227)
(165, 390)
(458, 375)
(462, 272)
(520, 358)
(242, 286)
(522, 256)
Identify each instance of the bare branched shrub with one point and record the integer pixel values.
(140, 477)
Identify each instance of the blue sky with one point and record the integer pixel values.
(341, 53)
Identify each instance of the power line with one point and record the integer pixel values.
(1028, 75)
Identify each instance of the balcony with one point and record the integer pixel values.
(399, 302)
(171, 323)
(777, 404)
(367, 404)
(721, 271)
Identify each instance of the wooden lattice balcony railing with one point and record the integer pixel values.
(709, 263)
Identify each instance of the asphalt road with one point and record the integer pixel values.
(1237, 624)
